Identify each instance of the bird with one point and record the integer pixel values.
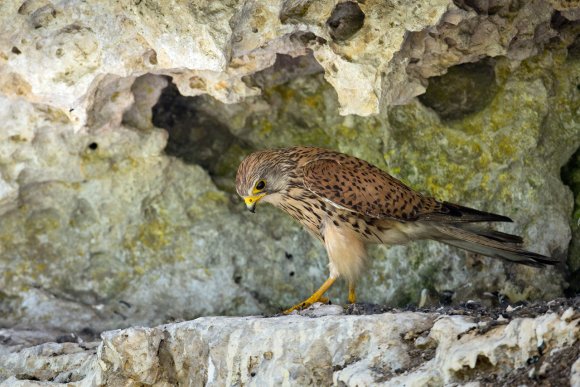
(348, 204)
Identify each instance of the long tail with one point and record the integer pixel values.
(491, 243)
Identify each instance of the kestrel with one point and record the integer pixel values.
(347, 204)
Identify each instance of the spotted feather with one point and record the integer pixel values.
(360, 187)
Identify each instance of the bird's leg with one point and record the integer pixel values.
(351, 293)
(315, 297)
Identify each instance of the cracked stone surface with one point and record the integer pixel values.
(323, 346)
(116, 210)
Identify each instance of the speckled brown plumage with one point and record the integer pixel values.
(348, 203)
(363, 188)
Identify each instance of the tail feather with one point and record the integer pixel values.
(491, 243)
(454, 213)
(493, 234)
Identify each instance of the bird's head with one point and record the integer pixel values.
(261, 176)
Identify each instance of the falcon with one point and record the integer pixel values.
(348, 203)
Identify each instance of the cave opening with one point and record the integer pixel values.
(464, 89)
(196, 135)
(216, 136)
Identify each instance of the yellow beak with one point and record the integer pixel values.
(252, 200)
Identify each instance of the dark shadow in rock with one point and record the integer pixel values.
(345, 20)
(574, 49)
(570, 175)
(465, 89)
(196, 136)
(284, 69)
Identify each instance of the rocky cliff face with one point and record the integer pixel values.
(121, 126)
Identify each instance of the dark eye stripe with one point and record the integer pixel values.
(261, 184)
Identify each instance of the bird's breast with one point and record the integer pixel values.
(305, 207)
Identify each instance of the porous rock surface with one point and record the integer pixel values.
(320, 347)
(117, 209)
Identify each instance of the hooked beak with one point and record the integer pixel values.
(252, 200)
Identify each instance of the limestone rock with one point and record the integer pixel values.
(403, 348)
(28, 356)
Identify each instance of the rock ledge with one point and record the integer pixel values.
(322, 346)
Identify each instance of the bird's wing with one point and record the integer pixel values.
(360, 187)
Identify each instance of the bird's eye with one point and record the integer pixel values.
(260, 185)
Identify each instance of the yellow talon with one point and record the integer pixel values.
(317, 296)
(351, 293)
